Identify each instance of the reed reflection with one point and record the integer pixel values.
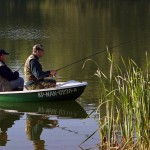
(34, 128)
(7, 120)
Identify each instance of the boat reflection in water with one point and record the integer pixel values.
(38, 116)
(62, 108)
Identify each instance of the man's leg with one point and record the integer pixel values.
(47, 83)
(18, 83)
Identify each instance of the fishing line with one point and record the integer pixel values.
(110, 48)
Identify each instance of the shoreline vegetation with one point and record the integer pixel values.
(125, 96)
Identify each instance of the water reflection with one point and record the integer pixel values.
(62, 108)
(38, 117)
(34, 128)
(7, 120)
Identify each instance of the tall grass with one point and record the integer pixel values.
(125, 95)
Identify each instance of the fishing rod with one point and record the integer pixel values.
(110, 48)
(80, 60)
(20, 67)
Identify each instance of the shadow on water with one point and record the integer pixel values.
(38, 116)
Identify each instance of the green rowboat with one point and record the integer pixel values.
(70, 90)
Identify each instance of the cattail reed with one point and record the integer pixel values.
(125, 95)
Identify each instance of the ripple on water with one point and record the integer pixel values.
(17, 33)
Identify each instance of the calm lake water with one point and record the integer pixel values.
(70, 31)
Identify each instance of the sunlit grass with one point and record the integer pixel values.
(125, 95)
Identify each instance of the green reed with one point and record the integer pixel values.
(125, 95)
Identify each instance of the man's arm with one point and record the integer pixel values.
(7, 73)
(37, 70)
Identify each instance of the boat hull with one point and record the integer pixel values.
(67, 92)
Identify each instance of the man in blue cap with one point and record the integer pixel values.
(9, 80)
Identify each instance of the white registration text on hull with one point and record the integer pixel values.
(57, 93)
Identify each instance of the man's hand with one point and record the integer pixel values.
(53, 73)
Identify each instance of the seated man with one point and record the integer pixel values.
(9, 80)
(34, 75)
